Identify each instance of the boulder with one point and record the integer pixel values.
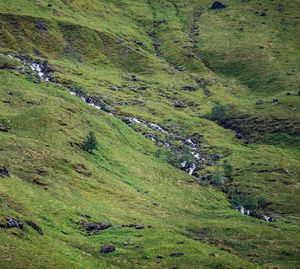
(217, 5)
(4, 172)
(107, 248)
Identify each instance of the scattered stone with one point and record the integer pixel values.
(12, 223)
(84, 215)
(4, 172)
(212, 254)
(107, 248)
(4, 129)
(174, 267)
(38, 182)
(275, 100)
(298, 94)
(134, 78)
(133, 225)
(94, 227)
(180, 105)
(114, 88)
(81, 169)
(206, 92)
(263, 13)
(180, 242)
(259, 102)
(217, 5)
(159, 257)
(35, 227)
(189, 88)
(176, 254)
(41, 26)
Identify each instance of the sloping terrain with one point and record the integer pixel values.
(146, 78)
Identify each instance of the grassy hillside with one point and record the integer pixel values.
(163, 62)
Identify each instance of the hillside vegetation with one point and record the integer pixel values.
(195, 112)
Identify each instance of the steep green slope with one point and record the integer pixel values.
(163, 62)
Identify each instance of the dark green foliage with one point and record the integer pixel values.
(262, 201)
(248, 201)
(90, 143)
(228, 169)
(218, 113)
(217, 178)
(77, 89)
(282, 140)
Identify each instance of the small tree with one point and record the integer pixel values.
(218, 113)
(90, 142)
(228, 169)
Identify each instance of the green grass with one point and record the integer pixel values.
(91, 44)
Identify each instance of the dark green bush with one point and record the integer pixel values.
(90, 142)
(217, 178)
(218, 113)
(228, 169)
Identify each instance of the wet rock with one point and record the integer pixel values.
(35, 227)
(176, 254)
(217, 5)
(94, 227)
(4, 172)
(188, 88)
(107, 248)
(12, 223)
(4, 129)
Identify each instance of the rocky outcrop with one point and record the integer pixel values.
(94, 227)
